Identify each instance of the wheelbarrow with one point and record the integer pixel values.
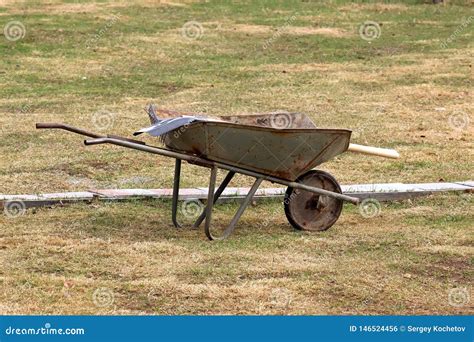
(282, 148)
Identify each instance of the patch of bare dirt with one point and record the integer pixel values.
(55, 7)
(292, 30)
(283, 67)
(356, 7)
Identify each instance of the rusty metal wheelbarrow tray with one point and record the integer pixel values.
(283, 153)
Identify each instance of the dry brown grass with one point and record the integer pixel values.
(290, 30)
(374, 7)
(397, 263)
(392, 94)
(16, 7)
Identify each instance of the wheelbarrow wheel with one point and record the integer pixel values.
(309, 211)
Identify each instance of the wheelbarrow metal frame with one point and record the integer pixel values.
(213, 196)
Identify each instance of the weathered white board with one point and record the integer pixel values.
(382, 192)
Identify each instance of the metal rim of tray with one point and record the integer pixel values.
(206, 139)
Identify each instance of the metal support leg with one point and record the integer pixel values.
(210, 199)
(237, 215)
(218, 193)
(174, 208)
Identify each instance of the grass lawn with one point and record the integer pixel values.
(96, 65)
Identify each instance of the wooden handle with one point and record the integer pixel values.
(376, 151)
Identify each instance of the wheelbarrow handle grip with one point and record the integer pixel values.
(52, 125)
(375, 151)
(48, 125)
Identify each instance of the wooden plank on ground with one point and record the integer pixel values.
(381, 192)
